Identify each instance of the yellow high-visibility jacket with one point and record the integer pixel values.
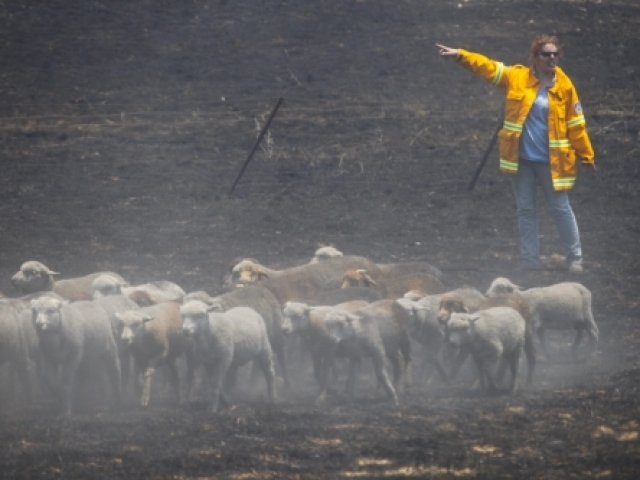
(567, 128)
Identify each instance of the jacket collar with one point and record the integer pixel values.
(533, 81)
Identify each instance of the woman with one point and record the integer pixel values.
(543, 130)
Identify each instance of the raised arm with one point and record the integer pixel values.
(447, 51)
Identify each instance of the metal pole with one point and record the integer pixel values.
(476, 174)
(255, 147)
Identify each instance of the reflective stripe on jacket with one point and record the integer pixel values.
(567, 128)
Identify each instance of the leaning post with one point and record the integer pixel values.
(255, 147)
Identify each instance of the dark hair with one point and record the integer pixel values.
(536, 46)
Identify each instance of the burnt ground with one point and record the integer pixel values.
(125, 123)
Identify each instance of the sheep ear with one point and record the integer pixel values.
(211, 308)
(261, 272)
(51, 272)
(465, 308)
(368, 279)
(147, 318)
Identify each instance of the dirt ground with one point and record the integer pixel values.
(125, 123)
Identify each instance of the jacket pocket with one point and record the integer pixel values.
(513, 105)
(509, 144)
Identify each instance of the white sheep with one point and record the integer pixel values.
(562, 306)
(425, 329)
(14, 348)
(36, 277)
(263, 302)
(490, 335)
(225, 342)
(115, 304)
(308, 323)
(144, 295)
(325, 253)
(377, 331)
(154, 337)
(71, 334)
(22, 307)
(451, 302)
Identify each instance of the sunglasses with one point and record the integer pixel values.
(549, 54)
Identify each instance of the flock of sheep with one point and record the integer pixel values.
(334, 309)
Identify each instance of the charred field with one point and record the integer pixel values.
(125, 123)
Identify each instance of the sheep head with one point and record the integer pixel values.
(33, 277)
(450, 303)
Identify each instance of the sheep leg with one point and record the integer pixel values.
(216, 375)
(479, 363)
(502, 369)
(543, 343)
(514, 362)
(485, 370)
(462, 356)
(487, 366)
(593, 334)
(326, 366)
(354, 366)
(231, 377)
(21, 370)
(146, 387)
(49, 375)
(266, 364)
(318, 367)
(576, 343)
(115, 377)
(396, 364)
(432, 361)
(125, 368)
(172, 372)
(530, 353)
(138, 370)
(282, 361)
(67, 380)
(383, 378)
(192, 365)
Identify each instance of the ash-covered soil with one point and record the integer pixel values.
(125, 123)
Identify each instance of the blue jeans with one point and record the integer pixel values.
(525, 191)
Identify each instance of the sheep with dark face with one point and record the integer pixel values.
(153, 335)
(562, 306)
(490, 335)
(376, 331)
(225, 342)
(36, 277)
(71, 334)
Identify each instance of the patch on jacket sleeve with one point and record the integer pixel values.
(578, 108)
